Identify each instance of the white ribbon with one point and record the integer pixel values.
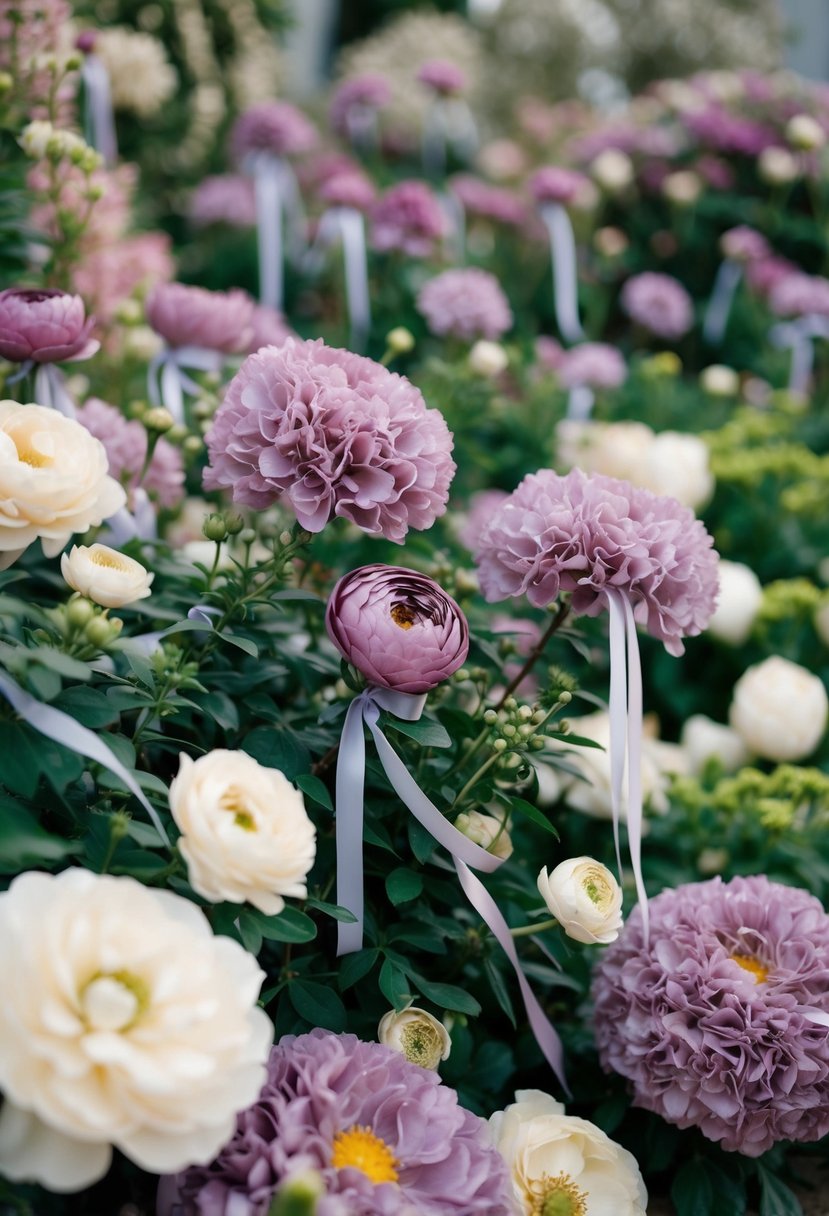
(449, 126)
(167, 380)
(125, 525)
(799, 336)
(99, 118)
(346, 225)
(49, 387)
(722, 298)
(362, 127)
(580, 403)
(565, 271)
(455, 214)
(279, 216)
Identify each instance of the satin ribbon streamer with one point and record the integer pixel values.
(49, 388)
(580, 403)
(351, 765)
(138, 524)
(565, 271)
(100, 120)
(722, 298)
(346, 224)
(167, 381)
(799, 336)
(56, 725)
(449, 125)
(278, 215)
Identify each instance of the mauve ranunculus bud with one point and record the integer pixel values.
(46, 325)
(397, 627)
(194, 316)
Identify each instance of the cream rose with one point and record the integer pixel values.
(53, 480)
(486, 831)
(488, 358)
(703, 740)
(104, 575)
(417, 1035)
(128, 1024)
(677, 465)
(779, 710)
(246, 835)
(738, 603)
(585, 899)
(555, 1158)
(719, 380)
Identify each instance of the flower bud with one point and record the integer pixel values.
(104, 575)
(720, 381)
(610, 242)
(214, 528)
(612, 171)
(234, 524)
(79, 612)
(400, 340)
(486, 831)
(35, 138)
(417, 1035)
(779, 710)
(805, 133)
(488, 359)
(682, 188)
(102, 630)
(585, 899)
(777, 166)
(158, 419)
(192, 445)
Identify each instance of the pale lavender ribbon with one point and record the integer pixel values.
(167, 381)
(100, 120)
(722, 298)
(799, 336)
(49, 388)
(346, 224)
(278, 215)
(449, 124)
(350, 784)
(362, 127)
(60, 727)
(565, 270)
(140, 523)
(580, 403)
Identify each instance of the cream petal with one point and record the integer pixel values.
(31, 1151)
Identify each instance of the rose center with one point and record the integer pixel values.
(753, 966)
(110, 561)
(403, 615)
(359, 1149)
(558, 1196)
(233, 800)
(597, 889)
(114, 1001)
(28, 453)
(421, 1044)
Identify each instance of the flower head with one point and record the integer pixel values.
(712, 1020)
(332, 434)
(659, 303)
(397, 627)
(125, 443)
(585, 899)
(480, 198)
(194, 316)
(779, 709)
(369, 91)
(797, 294)
(349, 188)
(224, 199)
(45, 325)
(141, 77)
(744, 244)
(408, 218)
(594, 364)
(106, 576)
(417, 1035)
(442, 76)
(270, 328)
(272, 126)
(466, 303)
(554, 184)
(589, 535)
(385, 1135)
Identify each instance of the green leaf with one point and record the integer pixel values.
(221, 708)
(57, 661)
(500, 989)
(776, 1199)
(394, 985)
(426, 733)
(421, 840)
(20, 771)
(332, 910)
(355, 966)
(582, 741)
(316, 790)
(319, 1004)
(290, 925)
(278, 748)
(447, 996)
(89, 706)
(532, 812)
(403, 885)
(23, 842)
(245, 644)
(691, 1191)
(251, 933)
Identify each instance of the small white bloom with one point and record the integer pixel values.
(779, 710)
(488, 358)
(142, 342)
(141, 77)
(740, 597)
(67, 144)
(245, 832)
(777, 166)
(678, 465)
(34, 138)
(486, 831)
(136, 1029)
(805, 133)
(418, 1036)
(612, 170)
(719, 380)
(560, 1163)
(703, 739)
(104, 575)
(682, 188)
(585, 899)
(610, 242)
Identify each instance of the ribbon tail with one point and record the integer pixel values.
(580, 403)
(60, 399)
(565, 271)
(100, 120)
(722, 298)
(172, 390)
(803, 355)
(352, 228)
(634, 819)
(351, 777)
(269, 230)
(433, 144)
(21, 372)
(618, 715)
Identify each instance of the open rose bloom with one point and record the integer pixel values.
(44, 326)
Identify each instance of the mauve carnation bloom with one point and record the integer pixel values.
(224, 199)
(554, 184)
(194, 316)
(445, 77)
(763, 276)
(588, 535)
(710, 1021)
(482, 507)
(594, 364)
(125, 443)
(744, 244)
(269, 328)
(799, 294)
(45, 325)
(550, 355)
(397, 627)
(331, 433)
(659, 303)
(408, 217)
(370, 91)
(497, 203)
(726, 132)
(272, 126)
(466, 303)
(351, 188)
(386, 1136)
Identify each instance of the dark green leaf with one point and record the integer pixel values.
(318, 1004)
(315, 789)
(427, 734)
(355, 966)
(89, 706)
(290, 925)
(251, 933)
(394, 985)
(532, 812)
(24, 843)
(691, 1191)
(245, 644)
(332, 910)
(278, 748)
(776, 1199)
(500, 989)
(403, 885)
(448, 996)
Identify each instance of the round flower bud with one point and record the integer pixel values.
(246, 835)
(779, 710)
(488, 358)
(719, 380)
(215, 528)
(610, 242)
(400, 340)
(585, 899)
(486, 831)
(418, 1036)
(682, 188)
(397, 627)
(703, 740)
(105, 576)
(777, 166)
(79, 612)
(102, 631)
(35, 137)
(805, 133)
(738, 604)
(158, 419)
(612, 170)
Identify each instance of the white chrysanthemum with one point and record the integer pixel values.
(779, 710)
(141, 77)
(703, 739)
(128, 1024)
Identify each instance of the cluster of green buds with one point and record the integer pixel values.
(664, 365)
(158, 422)
(220, 525)
(81, 628)
(172, 668)
(518, 729)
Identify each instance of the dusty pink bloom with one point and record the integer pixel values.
(224, 199)
(194, 316)
(443, 76)
(550, 355)
(717, 172)
(764, 275)
(272, 126)
(479, 198)
(408, 217)
(270, 328)
(480, 510)
(109, 217)
(352, 188)
(726, 132)
(466, 303)
(125, 442)
(744, 244)
(29, 31)
(554, 184)
(108, 275)
(370, 92)
(397, 627)
(45, 325)
(331, 433)
(594, 364)
(798, 294)
(659, 303)
(587, 535)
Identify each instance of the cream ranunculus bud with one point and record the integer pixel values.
(720, 381)
(741, 595)
(488, 359)
(246, 835)
(418, 1036)
(562, 1164)
(779, 710)
(486, 831)
(805, 133)
(585, 899)
(612, 170)
(682, 188)
(54, 480)
(777, 166)
(678, 465)
(104, 575)
(703, 739)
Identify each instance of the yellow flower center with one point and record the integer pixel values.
(27, 453)
(233, 800)
(108, 559)
(558, 1196)
(113, 1001)
(752, 965)
(597, 889)
(359, 1149)
(403, 615)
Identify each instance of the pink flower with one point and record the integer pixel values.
(397, 627)
(125, 442)
(272, 126)
(368, 92)
(744, 244)
(408, 217)
(797, 294)
(443, 76)
(550, 355)
(112, 273)
(193, 316)
(224, 199)
(482, 506)
(352, 188)
(45, 325)
(594, 364)
(553, 184)
(269, 329)
(764, 275)
(466, 304)
(331, 433)
(490, 202)
(659, 303)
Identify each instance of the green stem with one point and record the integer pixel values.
(529, 930)
(558, 620)
(475, 778)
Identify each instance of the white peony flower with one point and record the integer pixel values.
(104, 575)
(585, 899)
(246, 835)
(777, 166)
(718, 380)
(741, 595)
(682, 188)
(486, 831)
(677, 465)
(141, 77)
(53, 480)
(128, 1024)
(488, 358)
(703, 739)
(779, 710)
(417, 1035)
(560, 1163)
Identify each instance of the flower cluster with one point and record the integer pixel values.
(465, 304)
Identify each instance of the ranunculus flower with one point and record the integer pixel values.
(560, 1163)
(246, 835)
(417, 1035)
(128, 1024)
(53, 480)
(585, 899)
(486, 831)
(397, 627)
(779, 710)
(106, 576)
(703, 739)
(741, 595)
(194, 316)
(45, 325)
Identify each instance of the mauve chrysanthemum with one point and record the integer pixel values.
(194, 316)
(351, 188)
(555, 184)
(272, 126)
(798, 294)
(480, 198)
(713, 1021)
(659, 303)
(589, 535)
(442, 76)
(331, 433)
(125, 442)
(594, 364)
(466, 303)
(386, 1136)
(368, 92)
(408, 217)
(226, 198)
(744, 244)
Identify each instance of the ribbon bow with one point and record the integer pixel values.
(799, 336)
(49, 388)
(565, 274)
(466, 855)
(167, 380)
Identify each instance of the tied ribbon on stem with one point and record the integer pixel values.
(99, 120)
(719, 308)
(449, 126)
(565, 270)
(346, 225)
(466, 855)
(167, 381)
(798, 336)
(49, 386)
